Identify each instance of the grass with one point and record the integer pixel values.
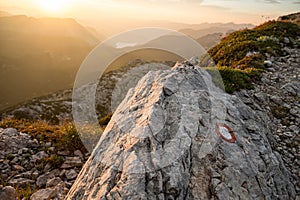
(25, 193)
(279, 111)
(240, 55)
(103, 121)
(233, 79)
(54, 161)
(63, 137)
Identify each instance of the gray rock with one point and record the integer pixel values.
(43, 194)
(268, 63)
(79, 154)
(72, 162)
(173, 145)
(71, 174)
(10, 132)
(42, 180)
(58, 193)
(39, 156)
(271, 69)
(64, 153)
(53, 182)
(20, 182)
(292, 88)
(8, 193)
(286, 40)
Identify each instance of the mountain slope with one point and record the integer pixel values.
(246, 52)
(294, 18)
(39, 56)
(210, 40)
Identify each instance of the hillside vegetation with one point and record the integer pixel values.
(240, 56)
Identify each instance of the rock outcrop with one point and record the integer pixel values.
(177, 136)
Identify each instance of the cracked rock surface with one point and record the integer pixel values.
(162, 144)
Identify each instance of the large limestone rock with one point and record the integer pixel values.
(162, 143)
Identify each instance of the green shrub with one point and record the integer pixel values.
(233, 79)
(25, 193)
(54, 161)
(242, 53)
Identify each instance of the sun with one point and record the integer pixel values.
(52, 5)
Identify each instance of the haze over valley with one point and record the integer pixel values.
(39, 56)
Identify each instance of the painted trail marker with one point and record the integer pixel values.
(225, 132)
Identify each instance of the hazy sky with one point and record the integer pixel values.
(188, 11)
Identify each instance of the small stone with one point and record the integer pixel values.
(47, 168)
(48, 144)
(15, 160)
(215, 182)
(71, 174)
(42, 180)
(43, 194)
(271, 69)
(53, 182)
(18, 168)
(64, 153)
(20, 182)
(71, 162)
(27, 174)
(268, 63)
(39, 156)
(8, 193)
(295, 129)
(286, 40)
(79, 154)
(35, 174)
(10, 132)
(62, 173)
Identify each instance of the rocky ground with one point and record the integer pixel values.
(278, 95)
(26, 163)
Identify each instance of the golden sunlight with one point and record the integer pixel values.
(52, 5)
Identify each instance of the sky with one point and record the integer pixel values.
(186, 11)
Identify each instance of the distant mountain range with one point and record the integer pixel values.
(205, 29)
(39, 56)
(3, 14)
(109, 27)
